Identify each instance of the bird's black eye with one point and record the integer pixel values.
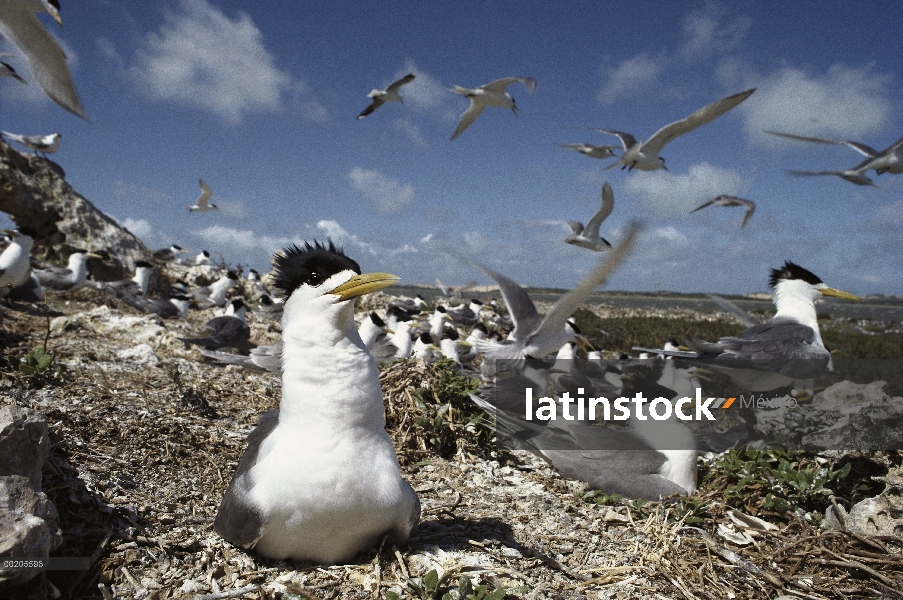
(315, 279)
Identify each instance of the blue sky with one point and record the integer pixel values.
(260, 99)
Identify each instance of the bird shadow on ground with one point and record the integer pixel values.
(455, 533)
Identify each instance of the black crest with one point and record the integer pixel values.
(793, 271)
(142, 263)
(309, 265)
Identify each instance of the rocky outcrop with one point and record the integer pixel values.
(878, 516)
(28, 520)
(34, 192)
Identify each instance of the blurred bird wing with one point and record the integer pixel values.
(702, 116)
(627, 140)
(566, 305)
(395, 85)
(205, 194)
(45, 57)
(499, 85)
(608, 205)
(861, 148)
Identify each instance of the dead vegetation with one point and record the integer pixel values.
(145, 440)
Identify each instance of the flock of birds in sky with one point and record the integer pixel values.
(282, 501)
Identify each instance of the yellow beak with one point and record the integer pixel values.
(837, 294)
(364, 284)
(92, 255)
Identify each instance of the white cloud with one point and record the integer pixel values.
(667, 195)
(426, 239)
(631, 77)
(712, 30)
(387, 194)
(411, 130)
(142, 228)
(338, 234)
(202, 57)
(229, 240)
(846, 102)
(425, 92)
(890, 215)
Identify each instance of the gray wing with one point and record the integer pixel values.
(261, 358)
(567, 304)
(238, 519)
(499, 85)
(576, 226)
(45, 57)
(55, 279)
(853, 175)
(470, 115)
(750, 209)
(861, 148)
(204, 198)
(523, 312)
(376, 103)
(395, 85)
(608, 205)
(702, 116)
(709, 203)
(627, 140)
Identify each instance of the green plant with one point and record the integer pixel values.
(432, 587)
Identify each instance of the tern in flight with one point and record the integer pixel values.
(889, 160)
(644, 155)
(599, 152)
(724, 200)
(588, 237)
(202, 204)
(390, 94)
(491, 94)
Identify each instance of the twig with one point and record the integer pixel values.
(230, 594)
(857, 565)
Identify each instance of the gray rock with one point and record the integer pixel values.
(24, 443)
(35, 194)
(878, 516)
(28, 526)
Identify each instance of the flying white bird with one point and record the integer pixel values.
(390, 94)
(599, 152)
(856, 175)
(44, 55)
(724, 200)
(889, 160)
(202, 204)
(588, 237)
(491, 94)
(644, 155)
(319, 480)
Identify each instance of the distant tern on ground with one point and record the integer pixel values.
(644, 155)
(725, 200)
(789, 343)
(600, 152)
(169, 254)
(71, 277)
(390, 94)
(202, 204)
(45, 144)
(44, 55)
(491, 94)
(536, 336)
(889, 160)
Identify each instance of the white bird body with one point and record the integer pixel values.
(15, 264)
(202, 204)
(390, 94)
(320, 480)
(588, 237)
(725, 200)
(44, 55)
(491, 94)
(71, 277)
(645, 155)
(46, 144)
